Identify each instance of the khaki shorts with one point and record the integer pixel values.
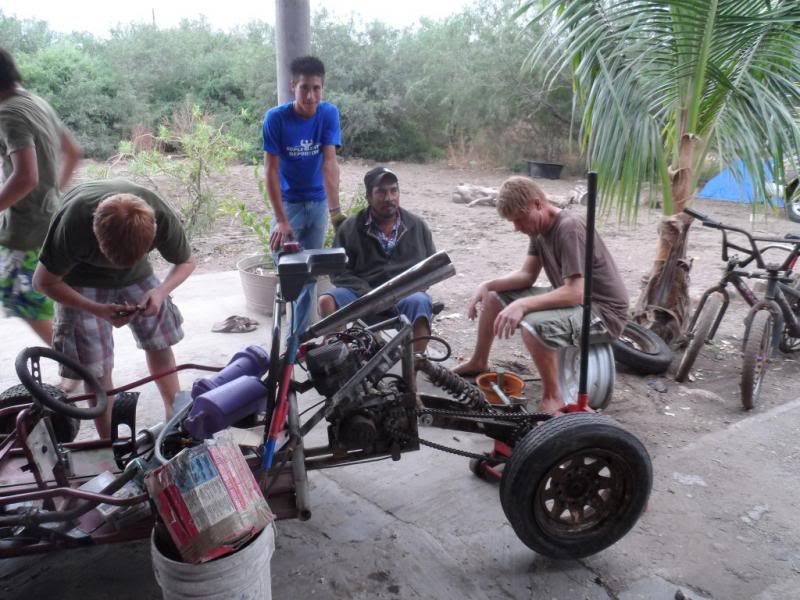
(556, 327)
(90, 341)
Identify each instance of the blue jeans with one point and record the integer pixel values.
(416, 306)
(309, 221)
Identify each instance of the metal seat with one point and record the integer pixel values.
(296, 269)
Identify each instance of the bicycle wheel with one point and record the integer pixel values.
(698, 334)
(757, 349)
(788, 343)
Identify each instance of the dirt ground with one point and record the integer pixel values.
(665, 414)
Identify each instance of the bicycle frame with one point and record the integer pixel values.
(776, 276)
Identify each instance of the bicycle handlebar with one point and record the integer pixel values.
(754, 252)
(707, 221)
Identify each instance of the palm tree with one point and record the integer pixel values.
(660, 86)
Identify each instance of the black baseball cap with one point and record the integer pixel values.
(376, 175)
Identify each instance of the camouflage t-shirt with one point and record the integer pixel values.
(26, 120)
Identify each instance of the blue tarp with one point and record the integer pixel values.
(735, 184)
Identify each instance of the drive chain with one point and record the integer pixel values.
(526, 421)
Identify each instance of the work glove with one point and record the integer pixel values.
(337, 219)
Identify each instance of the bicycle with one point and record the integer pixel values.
(772, 322)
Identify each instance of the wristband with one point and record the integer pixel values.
(335, 209)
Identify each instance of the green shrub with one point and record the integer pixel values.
(205, 150)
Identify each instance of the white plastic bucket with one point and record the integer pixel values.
(244, 575)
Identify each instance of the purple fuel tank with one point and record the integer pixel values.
(231, 395)
(253, 360)
(224, 405)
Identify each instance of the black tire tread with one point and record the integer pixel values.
(65, 428)
(565, 433)
(644, 363)
(750, 350)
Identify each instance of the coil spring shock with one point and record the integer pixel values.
(455, 385)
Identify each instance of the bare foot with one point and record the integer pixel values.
(68, 386)
(550, 406)
(470, 368)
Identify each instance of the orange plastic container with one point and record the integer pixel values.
(512, 386)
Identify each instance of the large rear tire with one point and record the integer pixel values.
(698, 335)
(575, 485)
(757, 349)
(642, 350)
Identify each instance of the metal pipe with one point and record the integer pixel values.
(420, 277)
(292, 39)
(583, 397)
(298, 462)
(59, 516)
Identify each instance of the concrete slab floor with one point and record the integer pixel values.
(203, 300)
(720, 523)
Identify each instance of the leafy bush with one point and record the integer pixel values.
(259, 222)
(205, 150)
(452, 87)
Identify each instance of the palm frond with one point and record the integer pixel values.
(647, 72)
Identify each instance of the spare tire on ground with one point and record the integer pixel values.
(642, 350)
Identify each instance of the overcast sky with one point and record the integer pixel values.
(98, 17)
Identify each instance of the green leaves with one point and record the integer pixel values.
(649, 72)
(200, 149)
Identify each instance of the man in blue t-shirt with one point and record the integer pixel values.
(300, 142)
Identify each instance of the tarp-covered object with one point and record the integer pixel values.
(735, 184)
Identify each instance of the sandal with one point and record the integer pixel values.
(235, 324)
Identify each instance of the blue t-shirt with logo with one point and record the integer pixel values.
(298, 142)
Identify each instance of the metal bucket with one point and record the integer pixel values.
(244, 575)
(258, 287)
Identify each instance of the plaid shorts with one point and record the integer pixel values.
(89, 339)
(16, 291)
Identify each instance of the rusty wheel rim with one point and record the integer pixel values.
(581, 492)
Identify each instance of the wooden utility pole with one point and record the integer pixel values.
(292, 39)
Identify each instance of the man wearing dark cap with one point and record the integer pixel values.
(382, 241)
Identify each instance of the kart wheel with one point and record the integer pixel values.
(575, 485)
(698, 335)
(65, 428)
(755, 360)
(642, 350)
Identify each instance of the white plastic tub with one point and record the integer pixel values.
(244, 575)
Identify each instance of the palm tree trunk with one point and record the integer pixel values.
(663, 303)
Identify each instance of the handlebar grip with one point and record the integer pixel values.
(697, 215)
(708, 221)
